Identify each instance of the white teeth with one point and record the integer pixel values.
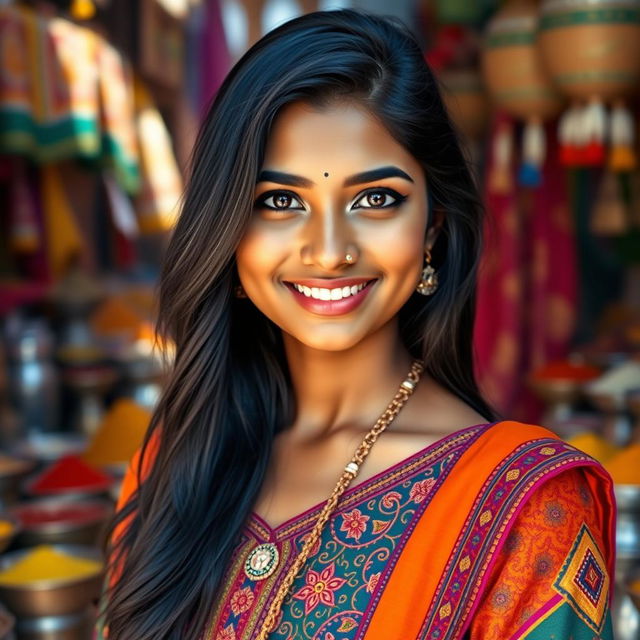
(329, 294)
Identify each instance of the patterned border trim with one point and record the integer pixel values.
(393, 560)
(490, 518)
(545, 612)
(570, 582)
(371, 487)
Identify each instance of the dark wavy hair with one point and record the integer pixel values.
(229, 390)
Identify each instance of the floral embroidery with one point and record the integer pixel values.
(554, 514)
(347, 625)
(390, 498)
(227, 633)
(354, 523)
(241, 600)
(314, 548)
(502, 598)
(543, 564)
(373, 582)
(513, 541)
(320, 587)
(420, 490)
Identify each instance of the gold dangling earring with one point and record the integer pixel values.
(429, 280)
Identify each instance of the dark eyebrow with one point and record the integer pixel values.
(358, 178)
(376, 174)
(285, 178)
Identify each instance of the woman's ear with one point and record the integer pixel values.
(437, 220)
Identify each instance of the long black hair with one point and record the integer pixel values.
(229, 390)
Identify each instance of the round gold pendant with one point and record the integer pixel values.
(262, 561)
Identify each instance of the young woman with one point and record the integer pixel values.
(321, 464)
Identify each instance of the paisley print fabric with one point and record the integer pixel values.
(552, 558)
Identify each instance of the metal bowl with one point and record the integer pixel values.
(52, 597)
(6, 540)
(555, 391)
(49, 447)
(632, 586)
(628, 497)
(61, 531)
(11, 479)
(77, 626)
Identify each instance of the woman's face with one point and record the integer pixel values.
(334, 182)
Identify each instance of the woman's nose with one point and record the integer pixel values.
(326, 241)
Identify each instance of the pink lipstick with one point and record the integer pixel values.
(330, 296)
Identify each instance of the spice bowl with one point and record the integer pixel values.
(49, 447)
(56, 596)
(633, 590)
(75, 626)
(69, 478)
(12, 473)
(627, 530)
(61, 521)
(9, 528)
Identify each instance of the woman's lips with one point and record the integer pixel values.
(331, 307)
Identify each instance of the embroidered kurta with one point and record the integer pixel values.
(532, 557)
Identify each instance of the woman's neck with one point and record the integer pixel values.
(338, 389)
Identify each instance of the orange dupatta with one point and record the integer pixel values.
(509, 460)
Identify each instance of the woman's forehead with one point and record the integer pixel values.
(339, 138)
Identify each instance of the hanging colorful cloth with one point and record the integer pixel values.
(18, 63)
(117, 114)
(527, 287)
(67, 109)
(124, 223)
(24, 234)
(157, 203)
(64, 241)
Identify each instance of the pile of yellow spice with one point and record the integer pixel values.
(119, 434)
(623, 463)
(44, 563)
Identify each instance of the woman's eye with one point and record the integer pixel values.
(378, 199)
(279, 201)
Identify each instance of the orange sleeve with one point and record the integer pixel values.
(130, 483)
(522, 579)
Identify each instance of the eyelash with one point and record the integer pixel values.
(261, 202)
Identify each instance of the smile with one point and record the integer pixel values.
(329, 294)
(344, 296)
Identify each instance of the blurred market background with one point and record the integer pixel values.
(99, 104)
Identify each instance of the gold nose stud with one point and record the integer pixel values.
(349, 258)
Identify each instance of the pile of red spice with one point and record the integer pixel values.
(70, 474)
(34, 516)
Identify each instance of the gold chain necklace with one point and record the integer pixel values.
(262, 561)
